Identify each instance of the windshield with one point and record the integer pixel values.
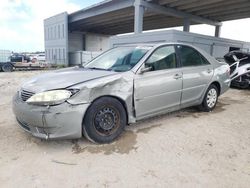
(120, 59)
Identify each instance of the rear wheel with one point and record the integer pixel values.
(7, 67)
(243, 85)
(242, 82)
(210, 100)
(104, 120)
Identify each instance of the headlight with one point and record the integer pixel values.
(50, 97)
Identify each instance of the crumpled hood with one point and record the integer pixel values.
(63, 78)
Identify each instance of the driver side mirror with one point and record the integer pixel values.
(146, 69)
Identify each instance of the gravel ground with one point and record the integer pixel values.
(182, 149)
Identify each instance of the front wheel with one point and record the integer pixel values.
(105, 120)
(7, 67)
(210, 100)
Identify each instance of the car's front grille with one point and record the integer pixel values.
(23, 125)
(25, 95)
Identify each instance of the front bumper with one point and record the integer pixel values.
(62, 121)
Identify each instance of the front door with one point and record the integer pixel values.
(158, 90)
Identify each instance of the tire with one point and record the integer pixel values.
(7, 67)
(239, 85)
(210, 99)
(104, 121)
(243, 85)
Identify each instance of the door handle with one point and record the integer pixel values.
(209, 71)
(177, 76)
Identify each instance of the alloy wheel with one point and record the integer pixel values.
(211, 98)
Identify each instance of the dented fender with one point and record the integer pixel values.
(119, 86)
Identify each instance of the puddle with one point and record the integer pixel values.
(191, 111)
(225, 101)
(195, 113)
(245, 92)
(127, 142)
(229, 101)
(220, 107)
(146, 130)
(124, 145)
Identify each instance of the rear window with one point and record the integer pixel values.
(191, 57)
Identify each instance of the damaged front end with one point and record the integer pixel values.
(48, 117)
(119, 86)
(55, 103)
(239, 68)
(49, 122)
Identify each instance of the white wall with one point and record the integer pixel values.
(217, 47)
(76, 42)
(56, 38)
(96, 42)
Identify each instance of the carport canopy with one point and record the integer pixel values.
(123, 16)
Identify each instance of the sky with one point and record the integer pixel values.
(21, 23)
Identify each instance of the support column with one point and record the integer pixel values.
(217, 31)
(186, 26)
(138, 19)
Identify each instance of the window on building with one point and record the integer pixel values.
(63, 30)
(59, 54)
(48, 33)
(55, 53)
(59, 32)
(233, 48)
(45, 34)
(51, 36)
(55, 32)
(48, 56)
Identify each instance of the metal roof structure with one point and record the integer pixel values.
(123, 16)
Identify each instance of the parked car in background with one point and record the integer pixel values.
(19, 58)
(20, 61)
(38, 57)
(41, 57)
(239, 62)
(122, 86)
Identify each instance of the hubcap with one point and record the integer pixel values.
(211, 98)
(106, 121)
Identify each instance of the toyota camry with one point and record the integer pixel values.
(121, 86)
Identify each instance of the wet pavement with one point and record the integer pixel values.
(187, 148)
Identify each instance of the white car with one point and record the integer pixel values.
(38, 57)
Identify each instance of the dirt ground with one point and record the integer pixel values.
(181, 149)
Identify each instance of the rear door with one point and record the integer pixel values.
(197, 73)
(158, 90)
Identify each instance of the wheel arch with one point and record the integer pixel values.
(114, 97)
(7, 63)
(217, 84)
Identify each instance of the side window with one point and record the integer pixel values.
(204, 60)
(162, 58)
(190, 57)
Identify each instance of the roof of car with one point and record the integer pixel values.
(157, 44)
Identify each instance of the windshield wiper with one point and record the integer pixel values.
(95, 68)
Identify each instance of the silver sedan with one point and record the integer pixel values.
(121, 86)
